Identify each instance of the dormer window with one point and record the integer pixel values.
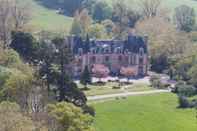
(126, 51)
(102, 50)
(118, 50)
(107, 50)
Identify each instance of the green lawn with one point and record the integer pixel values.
(108, 89)
(47, 19)
(144, 113)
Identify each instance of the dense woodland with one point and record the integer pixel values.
(37, 91)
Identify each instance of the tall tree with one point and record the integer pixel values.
(46, 54)
(185, 18)
(124, 19)
(85, 78)
(97, 31)
(5, 21)
(63, 59)
(81, 23)
(85, 21)
(101, 11)
(150, 8)
(21, 13)
(13, 16)
(119, 17)
(76, 28)
(178, 42)
(25, 44)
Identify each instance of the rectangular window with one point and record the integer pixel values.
(107, 58)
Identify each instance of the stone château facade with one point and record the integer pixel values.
(114, 54)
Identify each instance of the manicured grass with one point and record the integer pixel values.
(47, 19)
(156, 112)
(108, 89)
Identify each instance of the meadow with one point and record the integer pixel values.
(47, 19)
(157, 112)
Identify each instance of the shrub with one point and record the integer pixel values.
(180, 83)
(156, 82)
(116, 87)
(89, 110)
(185, 90)
(99, 83)
(184, 102)
(193, 103)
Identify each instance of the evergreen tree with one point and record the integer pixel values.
(76, 28)
(25, 44)
(185, 18)
(85, 78)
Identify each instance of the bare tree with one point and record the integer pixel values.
(13, 16)
(5, 21)
(21, 14)
(150, 8)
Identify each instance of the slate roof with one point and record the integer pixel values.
(132, 44)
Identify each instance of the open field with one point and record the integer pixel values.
(157, 112)
(47, 19)
(108, 89)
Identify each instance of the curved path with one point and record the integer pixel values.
(103, 97)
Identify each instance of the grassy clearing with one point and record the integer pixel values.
(157, 112)
(47, 19)
(108, 89)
